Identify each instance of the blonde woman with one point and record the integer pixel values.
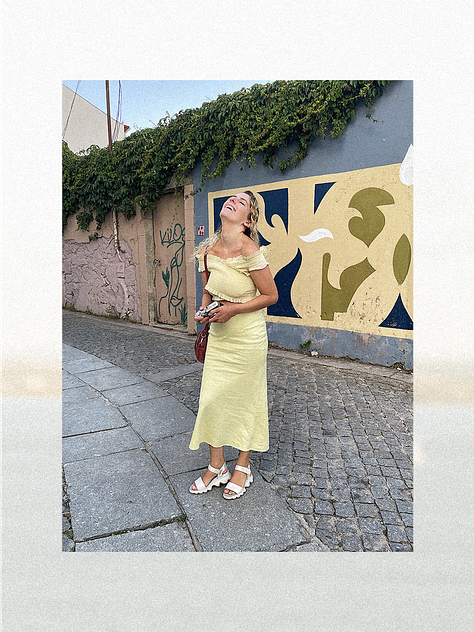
(233, 401)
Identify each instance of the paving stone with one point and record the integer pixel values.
(67, 543)
(302, 469)
(310, 547)
(407, 519)
(79, 394)
(323, 507)
(347, 525)
(321, 494)
(281, 480)
(362, 496)
(330, 538)
(367, 525)
(375, 543)
(366, 511)
(116, 492)
(300, 491)
(301, 505)
(342, 495)
(379, 492)
(87, 363)
(352, 543)
(70, 381)
(159, 418)
(110, 377)
(172, 537)
(258, 521)
(345, 510)
(390, 517)
(302, 478)
(396, 547)
(135, 393)
(90, 416)
(396, 534)
(99, 444)
(386, 504)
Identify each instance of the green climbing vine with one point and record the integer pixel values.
(236, 127)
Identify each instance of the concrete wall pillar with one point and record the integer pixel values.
(147, 219)
(190, 263)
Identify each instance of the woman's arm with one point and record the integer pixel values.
(264, 283)
(206, 299)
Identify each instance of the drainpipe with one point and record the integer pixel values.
(109, 128)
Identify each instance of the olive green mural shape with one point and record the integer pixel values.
(402, 259)
(335, 300)
(367, 227)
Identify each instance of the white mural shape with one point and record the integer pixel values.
(406, 168)
(319, 233)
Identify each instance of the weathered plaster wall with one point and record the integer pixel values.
(94, 280)
(338, 230)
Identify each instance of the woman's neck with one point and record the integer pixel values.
(231, 237)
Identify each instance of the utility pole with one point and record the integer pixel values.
(109, 128)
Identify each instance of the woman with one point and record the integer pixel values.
(233, 401)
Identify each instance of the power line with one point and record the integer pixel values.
(67, 121)
(119, 114)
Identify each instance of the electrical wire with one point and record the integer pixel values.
(70, 110)
(119, 114)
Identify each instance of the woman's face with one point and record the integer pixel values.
(237, 208)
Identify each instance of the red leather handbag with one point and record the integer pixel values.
(201, 340)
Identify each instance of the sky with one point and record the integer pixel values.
(144, 103)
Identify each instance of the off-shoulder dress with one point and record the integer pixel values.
(233, 401)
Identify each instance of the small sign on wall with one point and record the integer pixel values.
(121, 270)
(200, 230)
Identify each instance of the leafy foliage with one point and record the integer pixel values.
(235, 127)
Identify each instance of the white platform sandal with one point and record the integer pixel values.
(223, 475)
(239, 491)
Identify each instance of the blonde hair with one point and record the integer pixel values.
(250, 231)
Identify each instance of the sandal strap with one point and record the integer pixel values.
(214, 470)
(199, 484)
(241, 468)
(234, 488)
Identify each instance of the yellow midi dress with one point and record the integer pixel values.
(233, 401)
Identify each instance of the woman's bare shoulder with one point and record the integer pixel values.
(249, 247)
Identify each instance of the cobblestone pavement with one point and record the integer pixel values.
(341, 446)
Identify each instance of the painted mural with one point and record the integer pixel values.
(173, 302)
(340, 249)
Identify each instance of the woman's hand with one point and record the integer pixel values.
(199, 319)
(224, 313)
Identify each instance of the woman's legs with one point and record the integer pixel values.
(239, 477)
(216, 460)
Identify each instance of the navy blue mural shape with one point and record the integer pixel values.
(218, 203)
(398, 318)
(276, 203)
(320, 191)
(284, 280)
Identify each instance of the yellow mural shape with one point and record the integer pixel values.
(361, 274)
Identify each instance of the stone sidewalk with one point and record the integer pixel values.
(337, 476)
